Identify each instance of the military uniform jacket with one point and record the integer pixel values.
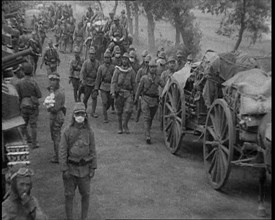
(35, 45)
(88, 72)
(148, 88)
(117, 29)
(51, 56)
(77, 143)
(56, 110)
(116, 61)
(123, 79)
(104, 77)
(141, 72)
(75, 67)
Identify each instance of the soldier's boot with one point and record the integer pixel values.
(55, 157)
(94, 103)
(69, 207)
(34, 138)
(119, 117)
(84, 207)
(147, 132)
(125, 124)
(104, 109)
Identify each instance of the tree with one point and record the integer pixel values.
(136, 15)
(242, 16)
(129, 16)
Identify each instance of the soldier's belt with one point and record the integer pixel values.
(82, 162)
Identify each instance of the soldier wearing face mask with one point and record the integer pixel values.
(116, 59)
(20, 204)
(77, 156)
(170, 71)
(133, 61)
(148, 89)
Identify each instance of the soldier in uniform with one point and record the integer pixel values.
(57, 32)
(170, 71)
(64, 37)
(71, 29)
(116, 59)
(109, 24)
(180, 61)
(103, 82)
(57, 112)
(189, 60)
(123, 20)
(36, 47)
(117, 32)
(148, 89)
(20, 204)
(42, 32)
(143, 55)
(77, 156)
(50, 58)
(122, 90)
(133, 61)
(88, 77)
(75, 67)
(29, 93)
(78, 36)
(141, 72)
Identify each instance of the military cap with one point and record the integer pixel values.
(107, 53)
(148, 58)
(116, 18)
(171, 58)
(189, 57)
(79, 107)
(20, 170)
(117, 49)
(144, 53)
(162, 61)
(77, 49)
(92, 50)
(162, 55)
(179, 53)
(126, 55)
(54, 76)
(27, 68)
(132, 54)
(152, 63)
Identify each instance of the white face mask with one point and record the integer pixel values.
(79, 119)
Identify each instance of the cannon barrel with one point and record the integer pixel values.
(11, 15)
(15, 59)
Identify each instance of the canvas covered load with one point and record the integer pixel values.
(254, 87)
(221, 67)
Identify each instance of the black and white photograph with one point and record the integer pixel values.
(136, 109)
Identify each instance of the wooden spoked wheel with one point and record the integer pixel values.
(218, 143)
(172, 117)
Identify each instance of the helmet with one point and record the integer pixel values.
(162, 55)
(189, 57)
(77, 49)
(92, 50)
(107, 54)
(79, 107)
(148, 58)
(125, 55)
(132, 54)
(171, 58)
(27, 68)
(144, 53)
(20, 170)
(179, 53)
(117, 49)
(116, 18)
(152, 63)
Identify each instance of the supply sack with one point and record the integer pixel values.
(252, 105)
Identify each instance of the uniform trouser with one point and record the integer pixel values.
(50, 69)
(70, 185)
(56, 122)
(34, 60)
(148, 115)
(107, 101)
(89, 91)
(76, 85)
(30, 116)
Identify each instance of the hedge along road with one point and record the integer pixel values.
(135, 180)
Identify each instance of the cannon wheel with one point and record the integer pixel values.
(173, 109)
(218, 143)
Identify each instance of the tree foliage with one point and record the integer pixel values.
(242, 16)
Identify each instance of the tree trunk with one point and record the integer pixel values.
(129, 17)
(114, 9)
(136, 34)
(98, 2)
(151, 31)
(242, 28)
(177, 36)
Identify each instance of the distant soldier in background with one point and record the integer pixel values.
(180, 61)
(103, 82)
(123, 20)
(57, 33)
(143, 55)
(134, 61)
(42, 32)
(36, 47)
(78, 36)
(116, 59)
(71, 29)
(75, 67)
(64, 37)
(50, 58)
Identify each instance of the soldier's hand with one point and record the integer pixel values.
(92, 173)
(66, 174)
